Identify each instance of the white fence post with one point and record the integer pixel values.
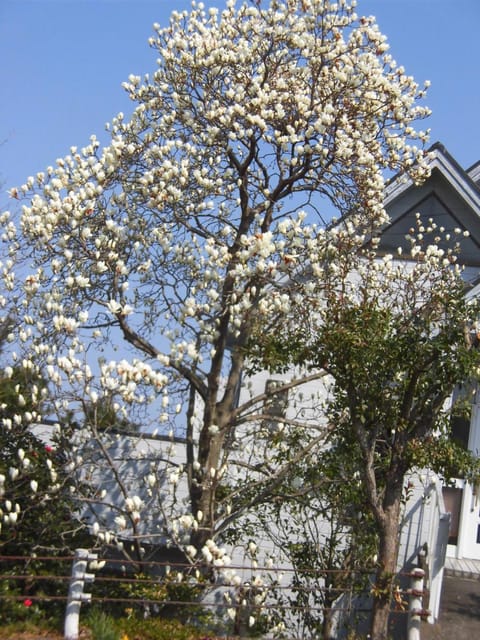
(415, 609)
(75, 592)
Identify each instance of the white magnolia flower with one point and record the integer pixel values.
(114, 307)
(121, 522)
(151, 480)
(82, 281)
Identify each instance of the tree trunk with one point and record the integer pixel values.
(388, 554)
(327, 623)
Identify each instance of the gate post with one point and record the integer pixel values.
(415, 609)
(75, 592)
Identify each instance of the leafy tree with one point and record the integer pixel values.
(37, 510)
(172, 243)
(396, 337)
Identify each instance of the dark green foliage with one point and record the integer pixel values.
(45, 522)
(104, 417)
(157, 596)
(392, 376)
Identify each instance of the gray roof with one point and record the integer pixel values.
(450, 196)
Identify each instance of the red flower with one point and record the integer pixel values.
(48, 448)
(27, 602)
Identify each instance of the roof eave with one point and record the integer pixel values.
(438, 158)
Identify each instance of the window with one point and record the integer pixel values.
(460, 429)
(452, 498)
(463, 396)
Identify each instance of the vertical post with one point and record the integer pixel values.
(415, 604)
(75, 592)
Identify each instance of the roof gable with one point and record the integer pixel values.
(449, 197)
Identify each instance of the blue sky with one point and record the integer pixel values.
(63, 62)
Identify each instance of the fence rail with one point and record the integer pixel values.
(252, 594)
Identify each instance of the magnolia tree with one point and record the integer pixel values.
(139, 271)
(396, 335)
